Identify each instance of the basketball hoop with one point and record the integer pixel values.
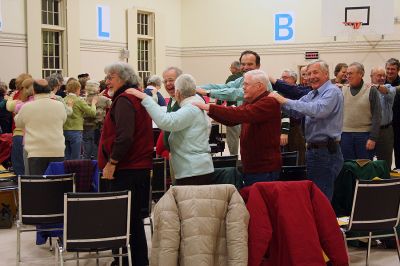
(353, 29)
(356, 25)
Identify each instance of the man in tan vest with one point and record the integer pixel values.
(362, 116)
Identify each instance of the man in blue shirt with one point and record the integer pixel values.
(322, 108)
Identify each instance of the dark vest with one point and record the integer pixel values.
(140, 153)
(170, 108)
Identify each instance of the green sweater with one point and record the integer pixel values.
(79, 110)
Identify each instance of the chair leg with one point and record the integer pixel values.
(129, 255)
(18, 243)
(369, 248)
(50, 243)
(151, 225)
(97, 259)
(120, 257)
(397, 242)
(77, 258)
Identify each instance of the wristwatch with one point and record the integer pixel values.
(208, 93)
(112, 162)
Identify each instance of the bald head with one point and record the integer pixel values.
(41, 86)
(378, 75)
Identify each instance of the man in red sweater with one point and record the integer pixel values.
(261, 121)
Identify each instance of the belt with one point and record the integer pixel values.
(386, 126)
(318, 145)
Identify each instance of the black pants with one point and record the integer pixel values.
(134, 180)
(38, 165)
(396, 145)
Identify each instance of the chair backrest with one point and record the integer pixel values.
(290, 158)
(96, 221)
(159, 175)
(41, 197)
(225, 161)
(293, 173)
(375, 205)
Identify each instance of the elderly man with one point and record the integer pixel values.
(170, 75)
(189, 129)
(260, 119)
(125, 150)
(362, 116)
(289, 76)
(393, 78)
(153, 86)
(384, 144)
(303, 76)
(42, 146)
(323, 111)
(340, 75)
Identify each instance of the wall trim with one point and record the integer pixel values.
(13, 39)
(99, 46)
(364, 46)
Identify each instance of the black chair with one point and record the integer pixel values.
(41, 202)
(290, 158)
(147, 202)
(293, 173)
(95, 222)
(159, 178)
(215, 140)
(376, 208)
(225, 161)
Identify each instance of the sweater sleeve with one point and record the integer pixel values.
(87, 110)
(293, 92)
(124, 117)
(264, 109)
(376, 111)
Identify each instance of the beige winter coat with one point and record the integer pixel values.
(200, 225)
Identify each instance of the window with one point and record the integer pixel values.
(145, 31)
(52, 37)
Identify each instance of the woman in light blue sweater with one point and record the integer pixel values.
(190, 129)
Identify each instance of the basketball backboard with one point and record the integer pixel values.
(376, 17)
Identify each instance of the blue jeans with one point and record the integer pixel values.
(89, 144)
(323, 168)
(250, 179)
(353, 146)
(17, 155)
(73, 141)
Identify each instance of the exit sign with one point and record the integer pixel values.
(311, 55)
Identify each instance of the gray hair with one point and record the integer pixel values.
(235, 64)
(186, 85)
(260, 76)
(291, 73)
(124, 71)
(359, 66)
(323, 65)
(177, 70)
(53, 81)
(154, 80)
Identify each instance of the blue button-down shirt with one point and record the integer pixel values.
(387, 104)
(323, 111)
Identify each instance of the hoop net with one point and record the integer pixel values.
(352, 29)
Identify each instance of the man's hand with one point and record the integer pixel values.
(201, 91)
(272, 80)
(370, 145)
(279, 98)
(136, 93)
(108, 171)
(202, 106)
(284, 139)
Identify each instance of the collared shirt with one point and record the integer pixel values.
(323, 111)
(387, 104)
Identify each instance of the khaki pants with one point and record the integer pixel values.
(232, 139)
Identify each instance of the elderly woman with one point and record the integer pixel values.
(190, 128)
(125, 149)
(153, 86)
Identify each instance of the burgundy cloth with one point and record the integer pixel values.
(83, 170)
(161, 150)
(5, 146)
(260, 135)
(140, 155)
(290, 224)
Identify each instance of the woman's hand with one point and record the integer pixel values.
(136, 93)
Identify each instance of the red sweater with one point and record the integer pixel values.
(140, 153)
(260, 135)
(290, 224)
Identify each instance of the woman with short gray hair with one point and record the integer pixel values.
(190, 129)
(153, 86)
